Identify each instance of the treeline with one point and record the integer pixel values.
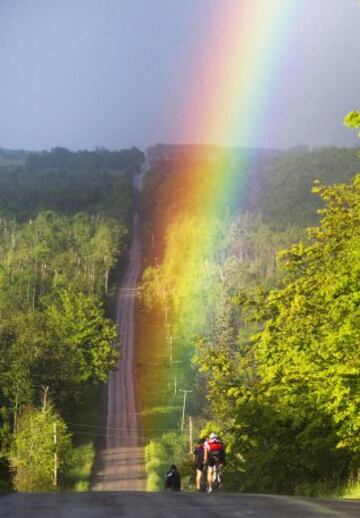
(271, 335)
(280, 188)
(12, 157)
(126, 160)
(61, 180)
(63, 229)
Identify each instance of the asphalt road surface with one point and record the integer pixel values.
(174, 505)
(119, 465)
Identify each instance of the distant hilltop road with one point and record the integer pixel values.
(171, 505)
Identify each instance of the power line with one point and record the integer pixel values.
(122, 429)
(120, 436)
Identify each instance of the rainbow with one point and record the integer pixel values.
(237, 72)
(241, 64)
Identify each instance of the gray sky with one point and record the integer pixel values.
(86, 73)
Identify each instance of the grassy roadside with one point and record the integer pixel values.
(352, 490)
(84, 426)
(333, 489)
(159, 386)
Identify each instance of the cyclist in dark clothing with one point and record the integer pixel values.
(172, 479)
(198, 461)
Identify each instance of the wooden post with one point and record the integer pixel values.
(45, 393)
(175, 363)
(190, 435)
(184, 406)
(183, 410)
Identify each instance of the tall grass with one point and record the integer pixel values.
(170, 448)
(352, 488)
(81, 463)
(334, 488)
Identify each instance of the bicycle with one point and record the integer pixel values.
(216, 477)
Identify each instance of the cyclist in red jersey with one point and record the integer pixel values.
(214, 454)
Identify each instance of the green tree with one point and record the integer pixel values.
(352, 120)
(290, 388)
(80, 345)
(40, 445)
(308, 351)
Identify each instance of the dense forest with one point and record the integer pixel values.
(264, 327)
(64, 226)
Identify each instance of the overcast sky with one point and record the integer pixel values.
(86, 73)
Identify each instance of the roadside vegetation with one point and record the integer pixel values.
(248, 315)
(64, 220)
(263, 328)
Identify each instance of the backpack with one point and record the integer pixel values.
(216, 450)
(215, 445)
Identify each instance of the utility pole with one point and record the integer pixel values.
(45, 393)
(175, 363)
(169, 340)
(185, 391)
(55, 481)
(190, 435)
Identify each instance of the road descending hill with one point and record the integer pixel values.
(119, 465)
(176, 505)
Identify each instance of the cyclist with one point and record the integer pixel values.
(198, 461)
(214, 455)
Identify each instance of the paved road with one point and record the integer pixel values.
(119, 464)
(157, 505)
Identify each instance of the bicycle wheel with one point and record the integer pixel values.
(215, 479)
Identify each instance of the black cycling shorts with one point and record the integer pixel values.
(214, 460)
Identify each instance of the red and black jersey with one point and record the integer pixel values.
(215, 449)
